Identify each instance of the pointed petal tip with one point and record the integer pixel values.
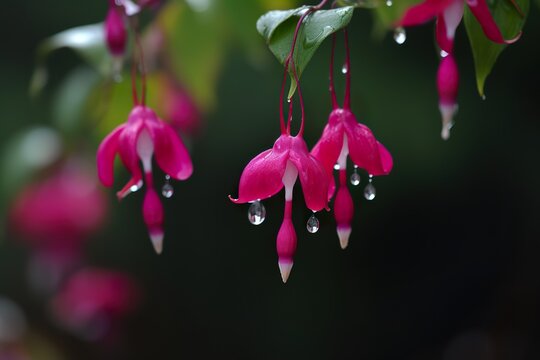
(513, 40)
(343, 234)
(447, 112)
(157, 241)
(285, 269)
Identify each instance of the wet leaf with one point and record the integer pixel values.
(278, 26)
(485, 51)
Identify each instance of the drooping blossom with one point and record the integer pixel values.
(279, 168)
(54, 217)
(448, 14)
(93, 301)
(344, 137)
(142, 137)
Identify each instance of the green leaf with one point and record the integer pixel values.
(278, 26)
(196, 44)
(88, 41)
(485, 51)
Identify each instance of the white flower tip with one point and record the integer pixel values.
(343, 234)
(285, 269)
(157, 241)
(447, 112)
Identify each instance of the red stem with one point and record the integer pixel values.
(289, 60)
(133, 24)
(331, 77)
(347, 100)
(134, 81)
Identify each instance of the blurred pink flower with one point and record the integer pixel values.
(115, 29)
(447, 86)
(93, 301)
(55, 216)
(138, 140)
(180, 109)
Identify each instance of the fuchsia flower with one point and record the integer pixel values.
(115, 29)
(280, 167)
(93, 301)
(143, 136)
(449, 14)
(344, 136)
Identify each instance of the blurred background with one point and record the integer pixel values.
(443, 264)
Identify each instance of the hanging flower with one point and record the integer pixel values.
(280, 167)
(143, 136)
(345, 137)
(449, 14)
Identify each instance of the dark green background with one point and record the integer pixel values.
(442, 265)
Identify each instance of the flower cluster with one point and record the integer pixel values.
(448, 14)
(289, 158)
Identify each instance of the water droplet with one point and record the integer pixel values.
(399, 35)
(444, 53)
(336, 166)
(389, 3)
(483, 97)
(312, 224)
(134, 188)
(288, 100)
(167, 190)
(256, 213)
(370, 191)
(355, 179)
(344, 69)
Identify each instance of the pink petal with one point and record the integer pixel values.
(481, 12)
(313, 176)
(423, 12)
(128, 153)
(447, 23)
(171, 154)
(262, 177)
(448, 80)
(105, 156)
(328, 148)
(365, 151)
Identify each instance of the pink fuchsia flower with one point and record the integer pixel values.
(93, 301)
(345, 137)
(449, 14)
(447, 85)
(115, 29)
(54, 217)
(143, 136)
(279, 168)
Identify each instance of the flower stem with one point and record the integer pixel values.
(331, 75)
(347, 100)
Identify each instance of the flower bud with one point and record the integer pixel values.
(447, 85)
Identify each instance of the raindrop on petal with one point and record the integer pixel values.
(256, 213)
(344, 69)
(399, 35)
(444, 53)
(312, 224)
(336, 166)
